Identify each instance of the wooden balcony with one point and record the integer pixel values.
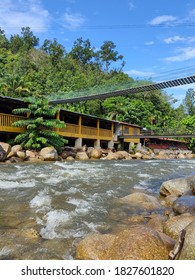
(87, 132)
(71, 130)
(6, 121)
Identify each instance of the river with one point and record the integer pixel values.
(64, 201)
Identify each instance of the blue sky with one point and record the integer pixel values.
(156, 38)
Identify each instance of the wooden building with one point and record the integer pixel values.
(80, 128)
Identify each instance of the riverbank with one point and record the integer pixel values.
(16, 154)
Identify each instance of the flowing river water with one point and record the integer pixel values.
(64, 201)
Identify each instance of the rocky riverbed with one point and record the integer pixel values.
(160, 229)
(88, 209)
(16, 154)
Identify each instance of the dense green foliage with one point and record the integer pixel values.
(39, 126)
(27, 68)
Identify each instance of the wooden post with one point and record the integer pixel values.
(80, 126)
(98, 129)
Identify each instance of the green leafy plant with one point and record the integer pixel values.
(40, 125)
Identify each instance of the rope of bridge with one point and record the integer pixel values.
(139, 89)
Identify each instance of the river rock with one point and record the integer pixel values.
(137, 243)
(174, 225)
(82, 156)
(181, 156)
(157, 222)
(94, 246)
(6, 147)
(14, 150)
(31, 154)
(111, 156)
(141, 201)
(167, 240)
(191, 183)
(21, 155)
(184, 204)
(94, 153)
(168, 200)
(123, 155)
(138, 155)
(65, 154)
(3, 154)
(161, 155)
(188, 249)
(176, 186)
(69, 158)
(48, 154)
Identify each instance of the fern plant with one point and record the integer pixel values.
(40, 126)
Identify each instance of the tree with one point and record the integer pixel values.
(3, 40)
(39, 126)
(29, 39)
(189, 102)
(82, 51)
(108, 54)
(55, 51)
(189, 122)
(15, 44)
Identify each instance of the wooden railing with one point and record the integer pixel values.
(73, 130)
(105, 133)
(6, 121)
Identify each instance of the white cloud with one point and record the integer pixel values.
(138, 73)
(174, 39)
(165, 19)
(150, 43)
(183, 55)
(15, 14)
(72, 21)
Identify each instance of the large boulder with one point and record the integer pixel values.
(174, 187)
(94, 246)
(137, 243)
(174, 225)
(94, 153)
(112, 156)
(82, 156)
(191, 183)
(48, 154)
(141, 201)
(188, 249)
(3, 154)
(6, 147)
(123, 155)
(184, 204)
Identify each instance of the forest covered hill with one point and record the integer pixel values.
(27, 69)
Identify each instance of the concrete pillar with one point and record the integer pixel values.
(110, 144)
(120, 146)
(78, 143)
(97, 144)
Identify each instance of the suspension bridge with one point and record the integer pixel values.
(132, 90)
